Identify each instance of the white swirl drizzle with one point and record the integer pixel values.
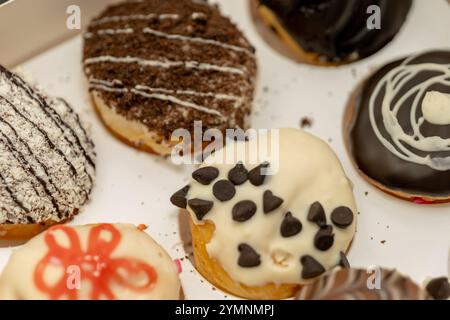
(166, 64)
(393, 83)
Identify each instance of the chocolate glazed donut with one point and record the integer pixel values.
(413, 163)
(336, 30)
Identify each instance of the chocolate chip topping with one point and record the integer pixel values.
(439, 288)
(342, 217)
(311, 267)
(238, 175)
(324, 238)
(224, 190)
(205, 175)
(178, 199)
(248, 257)
(200, 207)
(290, 226)
(256, 175)
(317, 214)
(243, 210)
(271, 202)
(343, 262)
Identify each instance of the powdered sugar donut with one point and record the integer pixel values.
(101, 261)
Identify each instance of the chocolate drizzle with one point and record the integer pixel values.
(48, 161)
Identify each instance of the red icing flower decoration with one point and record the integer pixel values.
(95, 265)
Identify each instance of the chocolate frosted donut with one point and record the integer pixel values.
(358, 284)
(332, 31)
(155, 66)
(47, 161)
(399, 127)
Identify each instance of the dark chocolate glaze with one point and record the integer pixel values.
(337, 29)
(377, 162)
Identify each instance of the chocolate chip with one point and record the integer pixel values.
(290, 226)
(311, 267)
(343, 262)
(317, 214)
(342, 217)
(205, 175)
(248, 257)
(200, 207)
(224, 190)
(439, 288)
(256, 176)
(178, 199)
(271, 202)
(243, 210)
(324, 238)
(238, 175)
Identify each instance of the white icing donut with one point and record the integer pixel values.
(264, 245)
(101, 261)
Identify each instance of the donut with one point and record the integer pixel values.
(47, 162)
(438, 288)
(91, 262)
(360, 284)
(268, 222)
(397, 128)
(328, 32)
(156, 66)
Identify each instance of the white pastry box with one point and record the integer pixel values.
(135, 187)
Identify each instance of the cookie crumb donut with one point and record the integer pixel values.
(156, 66)
(327, 32)
(353, 284)
(91, 262)
(47, 162)
(397, 128)
(262, 228)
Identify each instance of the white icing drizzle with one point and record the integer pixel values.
(175, 100)
(196, 40)
(165, 64)
(218, 96)
(393, 83)
(102, 32)
(159, 94)
(166, 16)
(198, 15)
(47, 162)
